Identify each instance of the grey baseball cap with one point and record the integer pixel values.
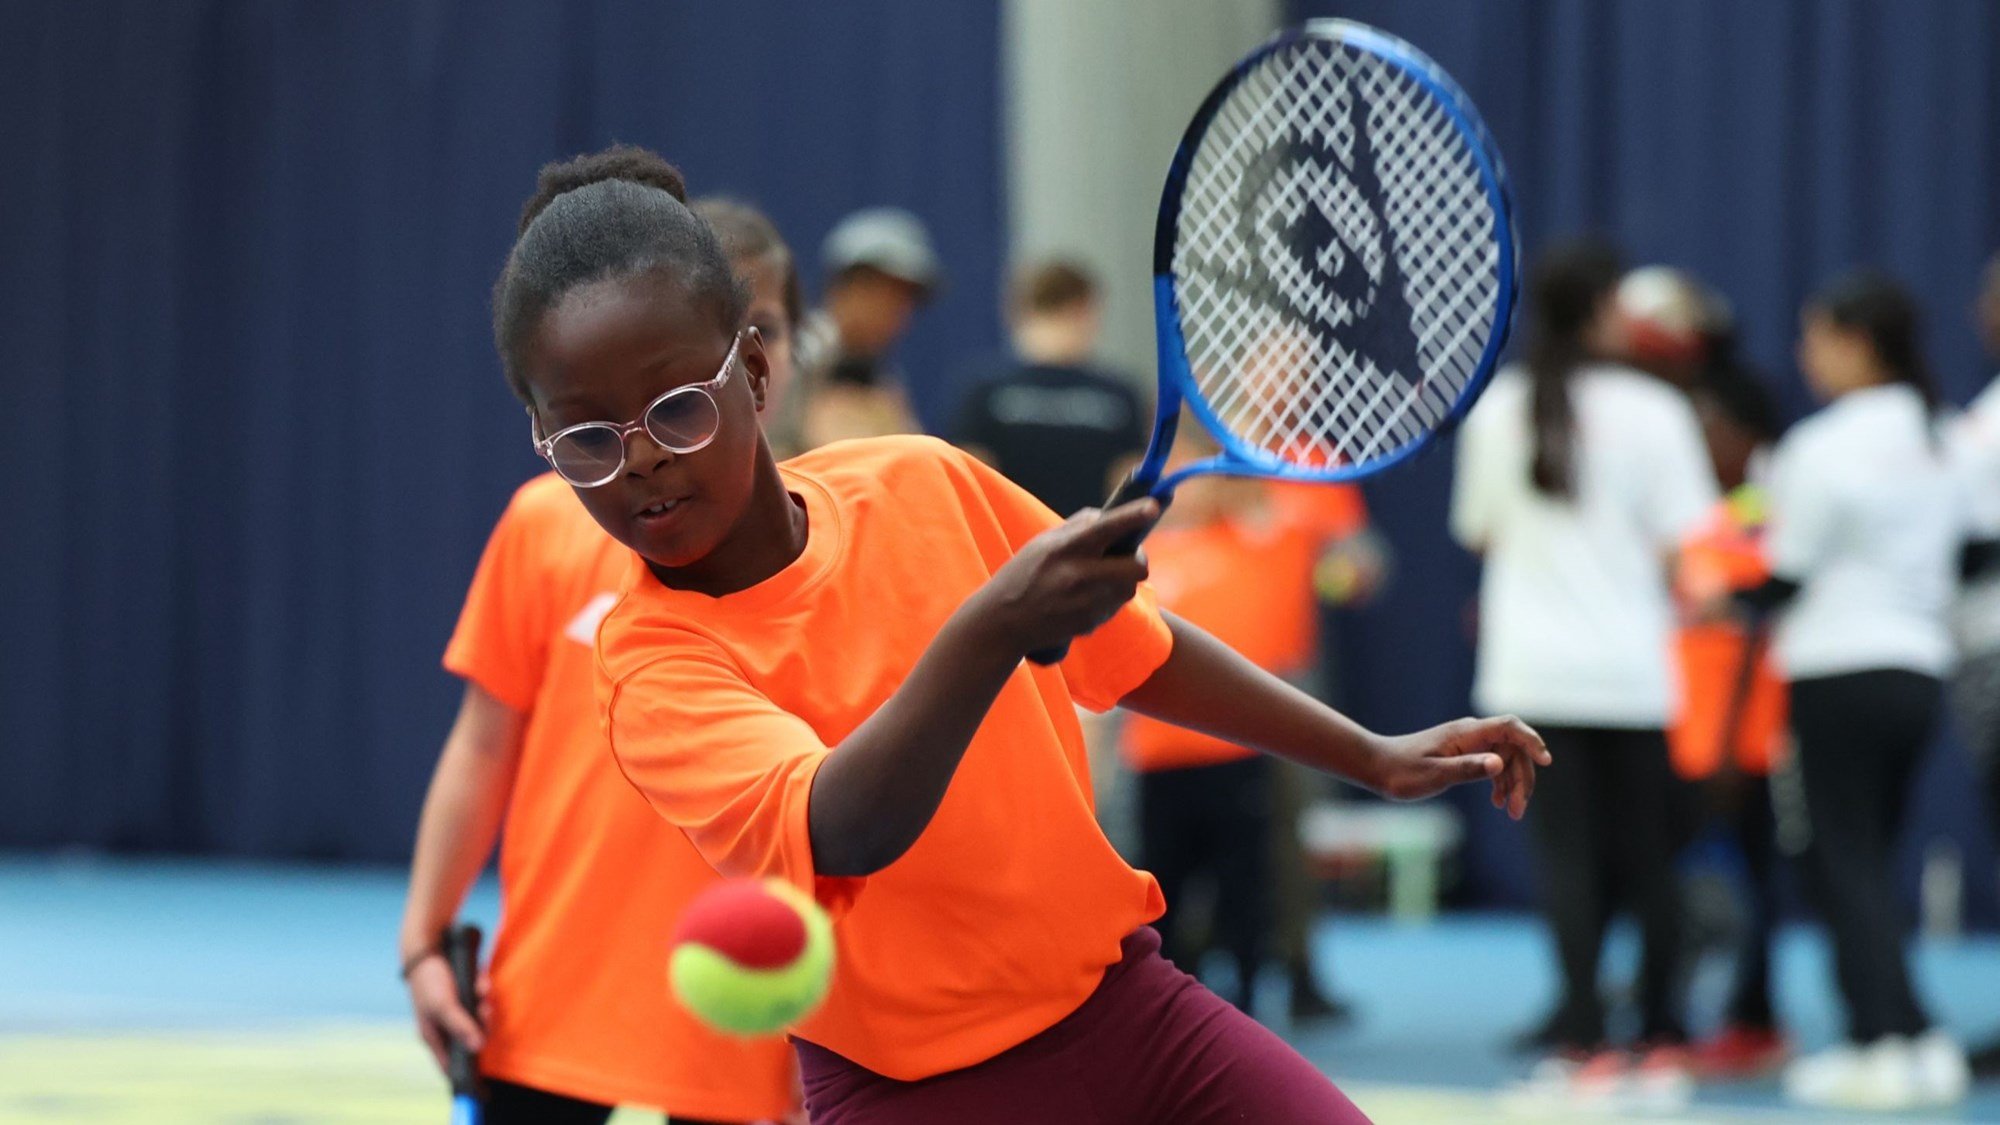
(889, 239)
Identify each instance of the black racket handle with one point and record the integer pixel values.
(461, 950)
(1128, 490)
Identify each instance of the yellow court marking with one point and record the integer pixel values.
(377, 1074)
(344, 1074)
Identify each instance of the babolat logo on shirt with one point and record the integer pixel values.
(583, 627)
(1068, 407)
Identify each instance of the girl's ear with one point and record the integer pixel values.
(757, 366)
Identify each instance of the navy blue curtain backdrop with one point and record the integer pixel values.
(1763, 145)
(257, 433)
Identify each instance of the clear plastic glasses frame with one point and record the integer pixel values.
(681, 421)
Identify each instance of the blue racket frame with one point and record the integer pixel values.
(1177, 385)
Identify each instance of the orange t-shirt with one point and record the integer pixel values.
(591, 881)
(1001, 918)
(1325, 511)
(1248, 579)
(1724, 553)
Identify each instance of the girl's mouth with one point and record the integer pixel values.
(660, 511)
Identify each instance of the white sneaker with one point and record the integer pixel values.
(1941, 1074)
(1660, 1082)
(1879, 1076)
(1543, 1092)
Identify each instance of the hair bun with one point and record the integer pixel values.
(619, 162)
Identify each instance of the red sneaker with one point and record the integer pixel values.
(1739, 1052)
(1599, 1080)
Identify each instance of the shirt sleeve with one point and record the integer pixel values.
(1107, 664)
(1475, 480)
(718, 759)
(1803, 513)
(502, 639)
(1683, 486)
(1973, 452)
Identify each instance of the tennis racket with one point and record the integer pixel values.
(461, 948)
(1333, 265)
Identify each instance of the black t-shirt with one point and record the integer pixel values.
(1055, 431)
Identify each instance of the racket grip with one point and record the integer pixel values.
(461, 949)
(1128, 490)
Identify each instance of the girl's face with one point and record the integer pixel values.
(1835, 360)
(1607, 333)
(766, 273)
(603, 353)
(1731, 445)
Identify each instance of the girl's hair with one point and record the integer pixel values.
(747, 234)
(1881, 311)
(614, 214)
(1565, 294)
(1738, 391)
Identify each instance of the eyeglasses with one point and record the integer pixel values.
(682, 421)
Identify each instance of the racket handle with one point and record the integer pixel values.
(1128, 490)
(461, 949)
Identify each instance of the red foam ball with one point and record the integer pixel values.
(745, 922)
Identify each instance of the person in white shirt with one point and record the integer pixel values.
(1972, 444)
(1577, 480)
(1864, 536)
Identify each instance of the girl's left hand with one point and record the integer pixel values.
(1426, 763)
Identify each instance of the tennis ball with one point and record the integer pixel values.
(751, 956)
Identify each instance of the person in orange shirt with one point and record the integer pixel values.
(1731, 731)
(816, 672)
(1208, 808)
(578, 1016)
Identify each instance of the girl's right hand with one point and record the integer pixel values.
(1061, 584)
(441, 1019)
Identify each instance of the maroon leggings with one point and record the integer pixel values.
(1151, 1045)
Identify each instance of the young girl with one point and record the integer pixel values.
(1863, 542)
(1577, 479)
(816, 672)
(578, 1018)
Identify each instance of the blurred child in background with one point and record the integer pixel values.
(1047, 417)
(1863, 544)
(577, 1018)
(1577, 481)
(880, 269)
(1209, 810)
(1730, 729)
(1973, 444)
(1730, 733)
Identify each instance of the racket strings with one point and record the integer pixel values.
(1334, 258)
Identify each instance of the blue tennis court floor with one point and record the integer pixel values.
(231, 994)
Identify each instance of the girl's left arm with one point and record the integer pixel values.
(1206, 686)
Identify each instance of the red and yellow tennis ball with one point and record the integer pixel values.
(752, 956)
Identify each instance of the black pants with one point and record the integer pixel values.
(1860, 739)
(511, 1104)
(1213, 822)
(1975, 691)
(1603, 825)
(1751, 821)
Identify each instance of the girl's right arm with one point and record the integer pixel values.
(455, 836)
(872, 798)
